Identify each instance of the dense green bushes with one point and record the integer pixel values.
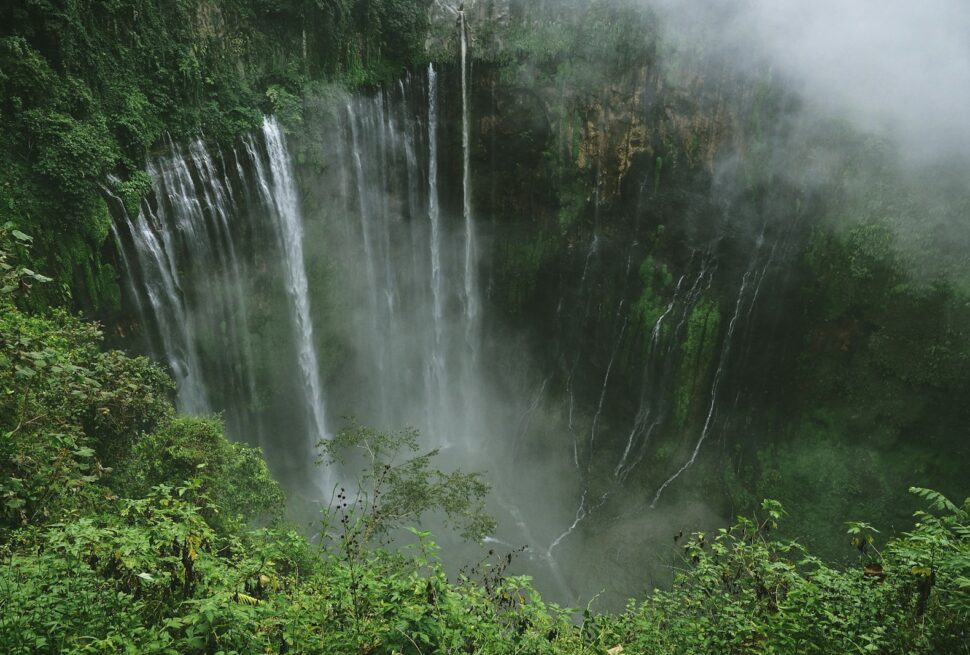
(746, 592)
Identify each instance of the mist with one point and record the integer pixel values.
(549, 424)
(897, 69)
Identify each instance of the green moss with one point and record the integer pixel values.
(99, 224)
(656, 280)
(523, 261)
(133, 190)
(697, 358)
(572, 206)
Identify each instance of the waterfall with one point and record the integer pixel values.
(645, 410)
(439, 365)
(606, 378)
(229, 272)
(407, 261)
(291, 237)
(365, 221)
(159, 277)
(582, 288)
(231, 223)
(471, 250)
(190, 271)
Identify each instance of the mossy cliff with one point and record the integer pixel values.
(609, 160)
(89, 87)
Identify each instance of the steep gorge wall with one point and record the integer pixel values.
(605, 172)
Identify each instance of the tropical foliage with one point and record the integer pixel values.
(126, 529)
(88, 87)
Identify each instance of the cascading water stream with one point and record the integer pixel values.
(193, 227)
(291, 236)
(439, 364)
(645, 410)
(606, 378)
(391, 241)
(159, 277)
(471, 249)
(366, 230)
(414, 322)
(218, 197)
(125, 261)
(718, 375)
(582, 289)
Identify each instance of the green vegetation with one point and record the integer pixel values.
(397, 486)
(89, 87)
(124, 528)
(652, 303)
(883, 358)
(698, 358)
(747, 592)
(853, 374)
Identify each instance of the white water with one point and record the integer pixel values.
(415, 324)
(606, 378)
(291, 236)
(439, 365)
(220, 199)
(155, 258)
(645, 410)
(582, 513)
(414, 334)
(192, 228)
(471, 248)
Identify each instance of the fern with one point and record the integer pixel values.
(937, 500)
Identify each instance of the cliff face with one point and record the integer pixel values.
(621, 179)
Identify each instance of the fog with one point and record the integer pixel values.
(896, 68)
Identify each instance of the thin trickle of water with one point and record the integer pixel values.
(582, 513)
(722, 363)
(606, 378)
(526, 418)
(645, 409)
(525, 531)
(471, 248)
(587, 293)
